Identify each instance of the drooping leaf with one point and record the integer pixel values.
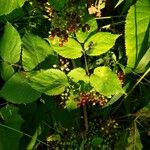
(58, 4)
(134, 141)
(78, 74)
(6, 71)
(71, 49)
(50, 82)
(10, 44)
(82, 36)
(100, 43)
(11, 121)
(137, 23)
(17, 90)
(35, 50)
(105, 81)
(8, 6)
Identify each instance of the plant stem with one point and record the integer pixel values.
(86, 64)
(85, 118)
(84, 107)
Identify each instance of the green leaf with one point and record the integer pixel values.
(71, 104)
(71, 49)
(8, 6)
(137, 23)
(35, 50)
(105, 81)
(82, 36)
(96, 141)
(144, 63)
(10, 44)
(134, 141)
(6, 71)
(78, 74)
(17, 90)
(12, 121)
(100, 43)
(58, 4)
(50, 82)
(121, 143)
(117, 96)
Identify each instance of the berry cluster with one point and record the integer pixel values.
(64, 65)
(120, 75)
(84, 99)
(92, 97)
(62, 34)
(67, 21)
(50, 13)
(64, 96)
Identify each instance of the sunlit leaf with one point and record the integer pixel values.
(78, 74)
(105, 81)
(7, 6)
(137, 23)
(100, 43)
(50, 82)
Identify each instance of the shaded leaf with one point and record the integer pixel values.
(35, 50)
(105, 81)
(137, 23)
(11, 120)
(50, 82)
(17, 90)
(10, 44)
(96, 141)
(134, 141)
(58, 4)
(100, 43)
(6, 71)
